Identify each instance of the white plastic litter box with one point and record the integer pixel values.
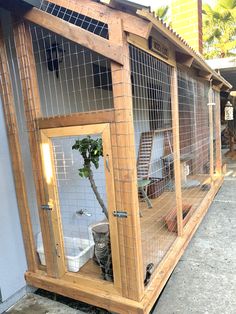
(77, 251)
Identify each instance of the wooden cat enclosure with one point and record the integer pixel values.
(84, 70)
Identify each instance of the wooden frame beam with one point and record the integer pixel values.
(184, 59)
(16, 157)
(76, 34)
(63, 28)
(176, 149)
(218, 135)
(53, 246)
(75, 119)
(125, 173)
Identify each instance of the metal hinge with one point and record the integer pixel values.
(120, 214)
(47, 206)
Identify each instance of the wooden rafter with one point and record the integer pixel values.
(217, 83)
(184, 59)
(172, 37)
(205, 75)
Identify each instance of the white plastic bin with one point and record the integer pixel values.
(77, 251)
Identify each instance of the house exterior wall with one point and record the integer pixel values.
(187, 21)
(12, 257)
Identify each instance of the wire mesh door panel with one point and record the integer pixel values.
(151, 88)
(194, 142)
(83, 176)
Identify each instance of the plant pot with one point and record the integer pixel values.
(171, 217)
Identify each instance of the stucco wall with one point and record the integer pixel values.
(12, 256)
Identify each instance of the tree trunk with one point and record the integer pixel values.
(98, 197)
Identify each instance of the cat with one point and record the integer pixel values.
(149, 271)
(102, 253)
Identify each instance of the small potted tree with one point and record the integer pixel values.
(91, 150)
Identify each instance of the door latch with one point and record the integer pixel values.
(120, 214)
(47, 206)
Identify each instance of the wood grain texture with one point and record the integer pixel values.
(176, 149)
(76, 34)
(55, 259)
(125, 174)
(75, 119)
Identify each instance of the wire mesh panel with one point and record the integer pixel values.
(151, 84)
(23, 139)
(71, 78)
(82, 20)
(194, 142)
(83, 200)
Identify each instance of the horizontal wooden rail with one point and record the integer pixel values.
(85, 118)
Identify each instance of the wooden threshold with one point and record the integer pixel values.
(111, 300)
(76, 119)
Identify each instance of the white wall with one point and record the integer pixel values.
(12, 255)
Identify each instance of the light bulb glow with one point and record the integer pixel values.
(47, 163)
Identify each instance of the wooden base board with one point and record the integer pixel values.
(113, 301)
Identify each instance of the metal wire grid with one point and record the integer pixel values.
(194, 139)
(81, 20)
(78, 204)
(151, 85)
(71, 78)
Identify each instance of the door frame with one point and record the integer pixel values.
(52, 199)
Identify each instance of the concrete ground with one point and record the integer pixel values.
(203, 282)
(35, 304)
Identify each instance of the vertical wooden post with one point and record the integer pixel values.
(16, 157)
(176, 150)
(211, 134)
(218, 135)
(123, 146)
(49, 220)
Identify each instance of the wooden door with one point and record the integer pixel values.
(52, 201)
